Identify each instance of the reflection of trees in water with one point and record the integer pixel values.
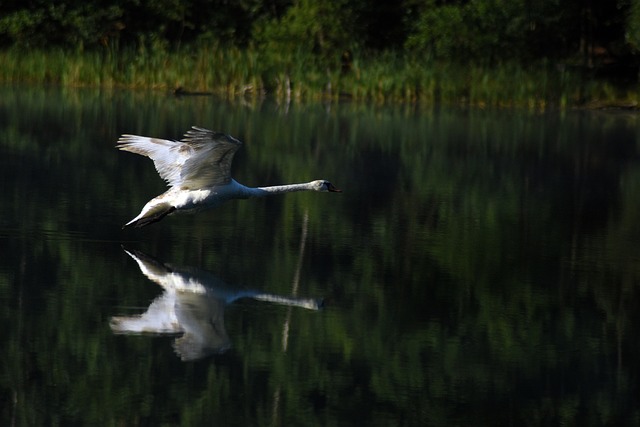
(494, 275)
(531, 239)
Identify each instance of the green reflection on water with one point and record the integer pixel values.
(481, 266)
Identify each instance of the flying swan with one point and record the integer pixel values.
(198, 170)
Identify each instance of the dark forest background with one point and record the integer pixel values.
(582, 32)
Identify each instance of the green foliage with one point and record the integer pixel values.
(564, 53)
(478, 30)
(632, 34)
(320, 32)
(91, 24)
(489, 31)
(252, 74)
(20, 27)
(68, 24)
(430, 28)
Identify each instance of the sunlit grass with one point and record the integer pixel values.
(298, 76)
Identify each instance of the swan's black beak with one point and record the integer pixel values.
(333, 189)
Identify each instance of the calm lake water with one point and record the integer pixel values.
(480, 268)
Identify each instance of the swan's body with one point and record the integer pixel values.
(198, 170)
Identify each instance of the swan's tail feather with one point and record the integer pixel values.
(150, 216)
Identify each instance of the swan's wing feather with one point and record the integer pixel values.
(210, 159)
(202, 158)
(168, 156)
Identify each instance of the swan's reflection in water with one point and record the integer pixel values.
(191, 305)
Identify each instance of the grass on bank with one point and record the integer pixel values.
(230, 72)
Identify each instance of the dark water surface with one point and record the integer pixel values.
(480, 268)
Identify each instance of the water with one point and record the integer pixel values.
(480, 267)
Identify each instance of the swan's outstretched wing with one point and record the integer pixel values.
(212, 155)
(202, 158)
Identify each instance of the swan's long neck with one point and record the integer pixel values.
(279, 189)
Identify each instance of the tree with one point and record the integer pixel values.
(325, 29)
(72, 24)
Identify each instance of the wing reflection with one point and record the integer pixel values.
(192, 306)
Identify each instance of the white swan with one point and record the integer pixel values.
(198, 170)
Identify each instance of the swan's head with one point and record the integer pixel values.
(324, 186)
